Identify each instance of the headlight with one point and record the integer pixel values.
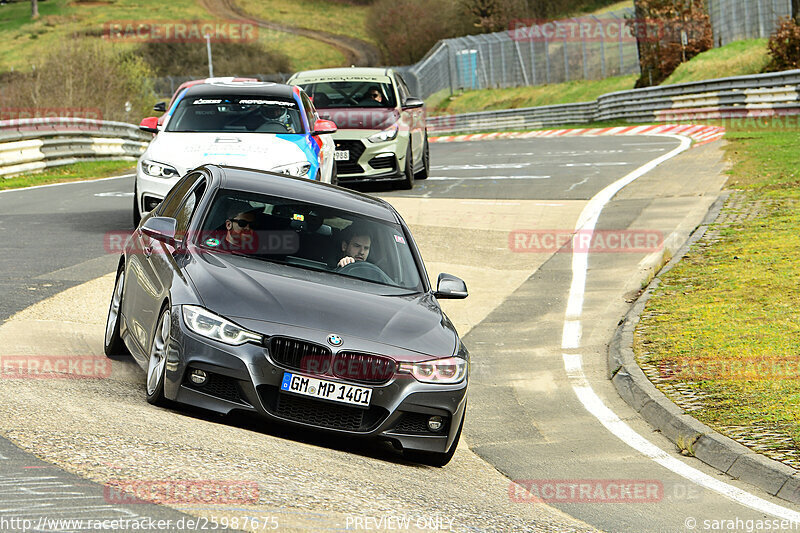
(385, 135)
(205, 323)
(295, 169)
(159, 170)
(447, 370)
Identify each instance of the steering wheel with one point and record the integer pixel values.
(365, 270)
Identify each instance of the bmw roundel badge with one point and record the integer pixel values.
(335, 340)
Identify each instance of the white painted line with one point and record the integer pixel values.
(480, 167)
(583, 390)
(608, 164)
(450, 178)
(117, 194)
(67, 183)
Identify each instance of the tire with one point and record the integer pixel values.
(437, 459)
(137, 215)
(408, 173)
(157, 363)
(426, 161)
(113, 344)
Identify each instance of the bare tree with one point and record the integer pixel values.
(34, 9)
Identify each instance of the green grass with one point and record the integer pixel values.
(77, 171)
(334, 17)
(728, 312)
(24, 40)
(515, 97)
(735, 59)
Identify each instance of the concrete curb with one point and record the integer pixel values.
(711, 447)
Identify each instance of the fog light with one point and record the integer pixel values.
(199, 377)
(435, 423)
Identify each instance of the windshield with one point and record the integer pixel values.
(236, 114)
(310, 236)
(326, 95)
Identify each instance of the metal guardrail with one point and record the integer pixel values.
(740, 96)
(34, 144)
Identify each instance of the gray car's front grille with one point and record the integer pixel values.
(363, 367)
(300, 355)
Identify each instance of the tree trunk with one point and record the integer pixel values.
(796, 10)
(34, 9)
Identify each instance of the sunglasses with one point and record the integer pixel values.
(242, 222)
(374, 95)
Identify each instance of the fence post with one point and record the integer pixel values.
(533, 56)
(547, 58)
(583, 54)
(566, 59)
(502, 60)
(521, 63)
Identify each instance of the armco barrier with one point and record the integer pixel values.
(740, 96)
(37, 143)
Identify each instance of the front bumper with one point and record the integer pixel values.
(246, 379)
(370, 162)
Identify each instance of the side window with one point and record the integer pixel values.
(311, 113)
(187, 208)
(169, 206)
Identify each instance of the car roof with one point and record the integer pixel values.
(302, 189)
(247, 88)
(344, 74)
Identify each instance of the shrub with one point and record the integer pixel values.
(784, 46)
(83, 74)
(229, 59)
(658, 25)
(406, 29)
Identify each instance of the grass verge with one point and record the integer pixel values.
(723, 329)
(735, 59)
(77, 171)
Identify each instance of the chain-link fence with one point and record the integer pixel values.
(529, 53)
(733, 20)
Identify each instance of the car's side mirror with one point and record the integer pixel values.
(412, 103)
(149, 124)
(322, 127)
(161, 229)
(161, 107)
(449, 286)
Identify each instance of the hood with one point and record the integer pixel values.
(263, 151)
(363, 118)
(258, 295)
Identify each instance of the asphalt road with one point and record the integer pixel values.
(524, 416)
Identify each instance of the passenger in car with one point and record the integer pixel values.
(356, 242)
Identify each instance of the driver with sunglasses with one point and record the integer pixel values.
(239, 226)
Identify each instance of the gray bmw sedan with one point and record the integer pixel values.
(296, 301)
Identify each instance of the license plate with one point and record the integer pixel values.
(341, 155)
(326, 390)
